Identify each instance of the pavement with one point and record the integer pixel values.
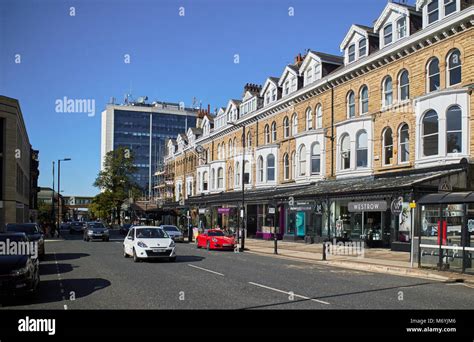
(374, 260)
(80, 275)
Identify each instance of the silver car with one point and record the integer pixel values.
(173, 232)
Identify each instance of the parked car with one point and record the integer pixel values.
(148, 242)
(96, 231)
(65, 225)
(124, 228)
(76, 227)
(19, 273)
(33, 233)
(173, 232)
(215, 239)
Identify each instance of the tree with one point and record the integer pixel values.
(102, 205)
(115, 180)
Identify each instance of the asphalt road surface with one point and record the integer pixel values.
(95, 275)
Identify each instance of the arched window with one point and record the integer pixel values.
(231, 148)
(198, 182)
(260, 169)
(387, 91)
(387, 142)
(319, 116)
(234, 145)
(294, 124)
(454, 130)
(286, 166)
(404, 143)
(220, 178)
(345, 152)
(230, 178)
(293, 165)
(362, 47)
(350, 104)
(238, 176)
(309, 119)
(364, 100)
(213, 179)
(315, 159)
(249, 140)
(247, 172)
(454, 68)
(274, 131)
(352, 53)
(266, 133)
(270, 167)
(286, 127)
(429, 134)
(302, 160)
(433, 75)
(361, 149)
(387, 34)
(218, 151)
(403, 86)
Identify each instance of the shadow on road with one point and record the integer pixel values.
(179, 259)
(47, 269)
(64, 256)
(49, 291)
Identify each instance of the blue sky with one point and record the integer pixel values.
(172, 58)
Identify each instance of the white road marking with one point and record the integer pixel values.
(462, 284)
(205, 269)
(65, 307)
(288, 293)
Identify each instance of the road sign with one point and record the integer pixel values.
(271, 210)
(413, 205)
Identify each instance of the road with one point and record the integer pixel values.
(95, 275)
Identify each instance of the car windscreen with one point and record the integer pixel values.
(170, 228)
(22, 228)
(76, 224)
(96, 225)
(151, 233)
(215, 234)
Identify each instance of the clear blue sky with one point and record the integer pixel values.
(173, 58)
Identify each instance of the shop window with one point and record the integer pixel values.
(387, 146)
(270, 167)
(404, 86)
(454, 130)
(309, 119)
(454, 68)
(362, 149)
(433, 75)
(302, 160)
(429, 134)
(315, 159)
(350, 104)
(364, 100)
(404, 143)
(286, 166)
(260, 169)
(345, 152)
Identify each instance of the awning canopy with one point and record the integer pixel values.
(448, 198)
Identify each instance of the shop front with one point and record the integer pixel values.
(446, 237)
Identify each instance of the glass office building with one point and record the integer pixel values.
(144, 129)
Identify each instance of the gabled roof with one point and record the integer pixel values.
(273, 80)
(183, 137)
(322, 58)
(171, 141)
(391, 6)
(420, 4)
(362, 29)
(195, 131)
(289, 69)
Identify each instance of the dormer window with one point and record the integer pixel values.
(287, 87)
(274, 94)
(402, 27)
(433, 11)
(309, 75)
(352, 53)
(293, 84)
(362, 47)
(449, 7)
(387, 34)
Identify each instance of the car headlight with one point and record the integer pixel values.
(90, 232)
(20, 271)
(214, 240)
(172, 244)
(141, 244)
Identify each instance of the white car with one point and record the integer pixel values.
(148, 242)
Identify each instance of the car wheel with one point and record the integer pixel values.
(107, 240)
(172, 259)
(208, 245)
(135, 258)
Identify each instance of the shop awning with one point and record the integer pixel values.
(448, 198)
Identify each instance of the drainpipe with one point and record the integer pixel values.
(332, 130)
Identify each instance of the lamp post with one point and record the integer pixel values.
(59, 191)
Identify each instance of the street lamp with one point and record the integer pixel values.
(59, 191)
(242, 212)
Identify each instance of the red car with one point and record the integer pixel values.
(215, 239)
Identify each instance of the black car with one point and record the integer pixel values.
(19, 273)
(76, 227)
(124, 228)
(96, 230)
(32, 231)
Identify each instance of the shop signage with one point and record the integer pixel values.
(318, 209)
(445, 186)
(413, 205)
(202, 211)
(355, 207)
(271, 210)
(301, 207)
(470, 225)
(223, 210)
(397, 206)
